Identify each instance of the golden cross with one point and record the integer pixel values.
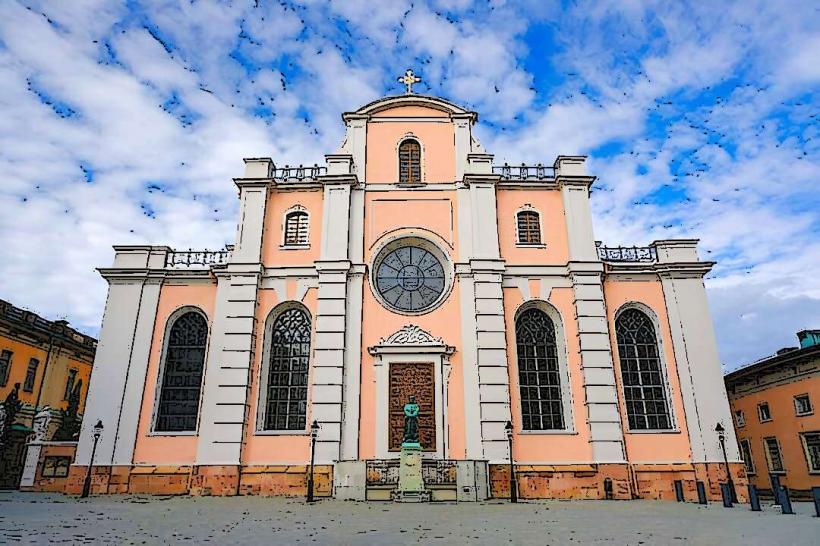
(409, 79)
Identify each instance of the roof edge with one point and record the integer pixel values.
(410, 99)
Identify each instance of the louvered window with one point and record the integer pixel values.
(529, 228)
(410, 162)
(644, 389)
(296, 228)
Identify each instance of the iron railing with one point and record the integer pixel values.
(188, 258)
(524, 172)
(298, 174)
(626, 253)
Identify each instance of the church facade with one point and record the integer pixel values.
(409, 265)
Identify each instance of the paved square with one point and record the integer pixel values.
(40, 518)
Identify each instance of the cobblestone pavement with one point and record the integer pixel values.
(41, 518)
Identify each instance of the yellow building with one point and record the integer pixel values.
(46, 361)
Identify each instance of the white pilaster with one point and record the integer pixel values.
(570, 175)
(115, 387)
(601, 396)
(693, 339)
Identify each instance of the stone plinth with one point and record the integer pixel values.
(411, 482)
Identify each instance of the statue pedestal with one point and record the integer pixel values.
(411, 482)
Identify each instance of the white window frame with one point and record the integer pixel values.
(760, 414)
(563, 369)
(806, 451)
(740, 418)
(169, 323)
(664, 369)
(797, 411)
(294, 246)
(768, 455)
(264, 367)
(422, 174)
(751, 462)
(529, 208)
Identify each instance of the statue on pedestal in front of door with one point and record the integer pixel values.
(411, 423)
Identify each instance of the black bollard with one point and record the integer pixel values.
(701, 493)
(785, 501)
(775, 481)
(679, 490)
(726, 495)
(754, 500)
(815, 493)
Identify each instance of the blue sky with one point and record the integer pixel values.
(123, 123)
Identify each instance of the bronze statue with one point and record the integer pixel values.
(411, 422)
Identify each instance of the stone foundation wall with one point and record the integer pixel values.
(288, 481)
(640, 481)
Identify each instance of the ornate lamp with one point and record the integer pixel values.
(314, 432)
(721, 434)
(98, 429)
(508, 429)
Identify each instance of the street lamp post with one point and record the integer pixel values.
(98, 428)
(508, 428)
(729, 482)
(314, 432)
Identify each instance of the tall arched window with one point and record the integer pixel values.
(539, 377)
(182, 374)
(296, 228)
(647, 406)
(287, 371)
(410, 162)
(529, 227)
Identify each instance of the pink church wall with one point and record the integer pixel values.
(168, 448)
(278, 203)
(261, 448)
(438, 163)
(430, 214)
(534, 447)
(641, 446)
(553, 226)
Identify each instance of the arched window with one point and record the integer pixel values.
(410, 162)
(182, 374)
(296, 228)
(287, 371)
(529, 227)
(539, 377)
(644, 389)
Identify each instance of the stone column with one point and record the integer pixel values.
(586, 272)
(693, 340)
(118, 376)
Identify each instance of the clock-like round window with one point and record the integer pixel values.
(410, 275)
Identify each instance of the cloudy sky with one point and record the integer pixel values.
(123, 123)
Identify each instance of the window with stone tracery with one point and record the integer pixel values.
(539, 377)
(410, 162)
(182, 374)
(285, 393)
(647, 407)
(296, 228)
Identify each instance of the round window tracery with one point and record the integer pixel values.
(410, 275)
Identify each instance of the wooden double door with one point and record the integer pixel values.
(412, 379)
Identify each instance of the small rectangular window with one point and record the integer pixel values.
(802, 405)
(56, 467)
(773, 455)
(811, 445)
(746, 453)
(31, 375)
(763, 412)
(740, 418)
(529, 228)
(5, 366)
(69, 384)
